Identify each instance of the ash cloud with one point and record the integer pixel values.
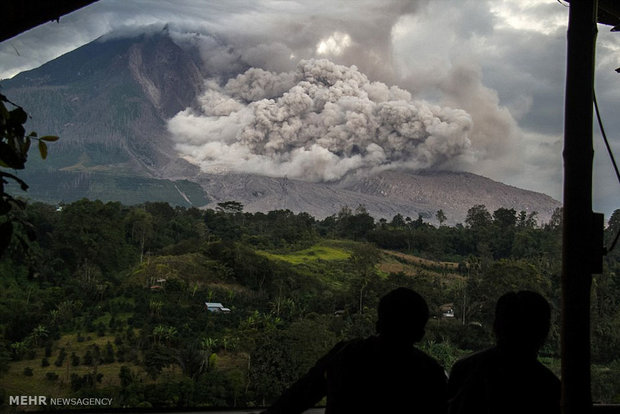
(317, 123)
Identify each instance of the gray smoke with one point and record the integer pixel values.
(318, 123)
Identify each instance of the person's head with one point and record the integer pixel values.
(402, 314)
(522, 321)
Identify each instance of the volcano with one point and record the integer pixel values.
(110, 102)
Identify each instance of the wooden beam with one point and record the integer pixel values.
(578, 235)
(21, 15)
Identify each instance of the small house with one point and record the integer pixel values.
(447, 310)
(216, 307)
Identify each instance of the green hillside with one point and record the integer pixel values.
(328, 250)
(109, 299)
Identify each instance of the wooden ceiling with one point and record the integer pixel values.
(17, 16)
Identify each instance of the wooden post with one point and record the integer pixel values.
(577, 235)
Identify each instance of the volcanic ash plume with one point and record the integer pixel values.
(318, 123)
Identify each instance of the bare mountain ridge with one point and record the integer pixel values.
(383, 195)
(452, 191)
(109, 101)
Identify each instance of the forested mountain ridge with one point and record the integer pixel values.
(109, 299)
(110, 101)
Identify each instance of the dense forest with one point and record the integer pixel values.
(102, 299)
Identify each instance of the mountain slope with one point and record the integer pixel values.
(452, 191)
(383, 195)
(109, 101)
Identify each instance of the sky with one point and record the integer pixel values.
(484, 80)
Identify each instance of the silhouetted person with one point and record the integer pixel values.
(508, 378)
(380, 374)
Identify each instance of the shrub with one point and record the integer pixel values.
(61, 357)
(51, 376)
(108, 355)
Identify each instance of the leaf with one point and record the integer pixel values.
(18, 131)
(6, 231)
(19, 115)
(21, 182)
(43, 149)
(26, 145)
(49, 138)
(5, 207)
(4, 113)
(30, 232)
(10, 157)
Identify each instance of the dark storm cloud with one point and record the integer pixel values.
(499, 60)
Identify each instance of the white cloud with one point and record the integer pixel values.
(541, 16)
(335, 44)
(318, 123)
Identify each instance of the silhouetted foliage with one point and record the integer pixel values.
(14, 147)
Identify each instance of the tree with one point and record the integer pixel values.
(525, 220)
(486, 285)
(363, 260)
(89, 232)
(555, 223)
(479, 221)
(355, 226)
(38, 335)
(166, 333)
(441, 217)
(140, 228)
(271, 366)
(505, 218)
(126, 376)
(208, 345)
(230, 207)
(611, 234)
(504, 222)
(14, 147)
(193, 360)
(478, 217)
(398, 221)
(108, 356)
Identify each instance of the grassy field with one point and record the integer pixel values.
(328, 251)
(15, 382)
(395, 262)
(391, 262)
(408, 258)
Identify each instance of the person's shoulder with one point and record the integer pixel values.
(476, 360)
(427, 361)
(349, 346)
(547, 376)
(418, 353)
(488, 354)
